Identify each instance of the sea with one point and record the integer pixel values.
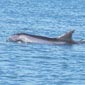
(42, 64)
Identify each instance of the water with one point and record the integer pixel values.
(35, 64)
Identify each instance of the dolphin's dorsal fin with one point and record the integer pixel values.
(67, 36)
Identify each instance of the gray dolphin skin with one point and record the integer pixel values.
(28, 38)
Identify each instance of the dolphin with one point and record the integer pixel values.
(28, 38)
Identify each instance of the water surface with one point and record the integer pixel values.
(38, 64)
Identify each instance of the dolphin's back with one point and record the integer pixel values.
(38, 37)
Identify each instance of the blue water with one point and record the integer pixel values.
(35, 64)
